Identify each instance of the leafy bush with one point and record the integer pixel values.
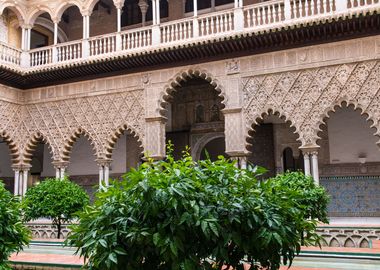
(196, 215)
(13, 234)
(58, 200)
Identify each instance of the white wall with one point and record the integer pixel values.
(82, 158)
(3, 30)
(5, 161)
(350, 136)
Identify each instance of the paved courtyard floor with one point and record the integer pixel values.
(55, 256)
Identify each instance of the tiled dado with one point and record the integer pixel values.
(353, 196)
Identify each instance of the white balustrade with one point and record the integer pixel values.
(361, 3)
(69, 51)
(177, 31)
(41, 56)
(264, 14)
(136, 39)
(102, 45)
(9, 54)
(225, 22)
(216, 23)
(308, 8)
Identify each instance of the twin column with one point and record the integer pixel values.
(21, 180)
(310, 157)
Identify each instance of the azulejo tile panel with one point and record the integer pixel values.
(353, 196)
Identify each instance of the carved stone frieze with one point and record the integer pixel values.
(306, 97)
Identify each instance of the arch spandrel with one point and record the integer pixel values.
(305, 97)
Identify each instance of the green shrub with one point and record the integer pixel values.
(195, 215)
(58, 200)
(13, 234)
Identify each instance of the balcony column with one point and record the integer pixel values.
(26, 31)
(195, 19)
(156, 32)
(239, 15)
(54, 57)
(86, 35)
(119, 8)
(340, 6)
(287, 10)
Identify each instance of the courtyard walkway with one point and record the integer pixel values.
(51, 255)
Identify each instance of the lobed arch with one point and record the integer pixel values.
(14, 149)
(31, 145)
(70, 141)
(356, 106)
(183, 76)
(116, 134)
(252, 122)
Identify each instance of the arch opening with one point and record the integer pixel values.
(350, 163)
(10, 30)
(82, 167)
(193, 109)
(6, 171)
(273, 144)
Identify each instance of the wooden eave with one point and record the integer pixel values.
(199, 52)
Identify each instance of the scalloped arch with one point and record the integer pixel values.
(31, 145)
(13, 148)
(357, 107)
(69, 143)
(185, 75)
(253, 122)
(116, 134)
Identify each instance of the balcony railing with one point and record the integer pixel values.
(251, 18)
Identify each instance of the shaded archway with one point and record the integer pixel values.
(6, 171)
(10, 21)
(127, 153)
(213, 149)
(71, 22)
(193, 110)
(82, 167)
(42, 33)
(268, 140)
(350, 163)
(39, 157)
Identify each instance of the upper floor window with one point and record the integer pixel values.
(204, 4)
(138, 11)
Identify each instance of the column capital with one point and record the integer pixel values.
(21, 167)
(26, 26)
(310, 150)
(60, 164)
(103, 162)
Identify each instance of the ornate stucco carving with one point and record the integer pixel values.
(306, 97)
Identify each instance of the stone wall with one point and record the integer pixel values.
(3, 29)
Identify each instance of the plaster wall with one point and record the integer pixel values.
(350, 136)
(3, 30)
(5, 161)
(82, 161)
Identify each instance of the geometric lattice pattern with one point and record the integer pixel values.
(101, 118)
(306, 97)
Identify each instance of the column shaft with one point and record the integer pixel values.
(25, 182)
(314, 158)
(306, 158)
(17, 182)
(55, 33)
(119, 20)
(195, 4)
(107, 175)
